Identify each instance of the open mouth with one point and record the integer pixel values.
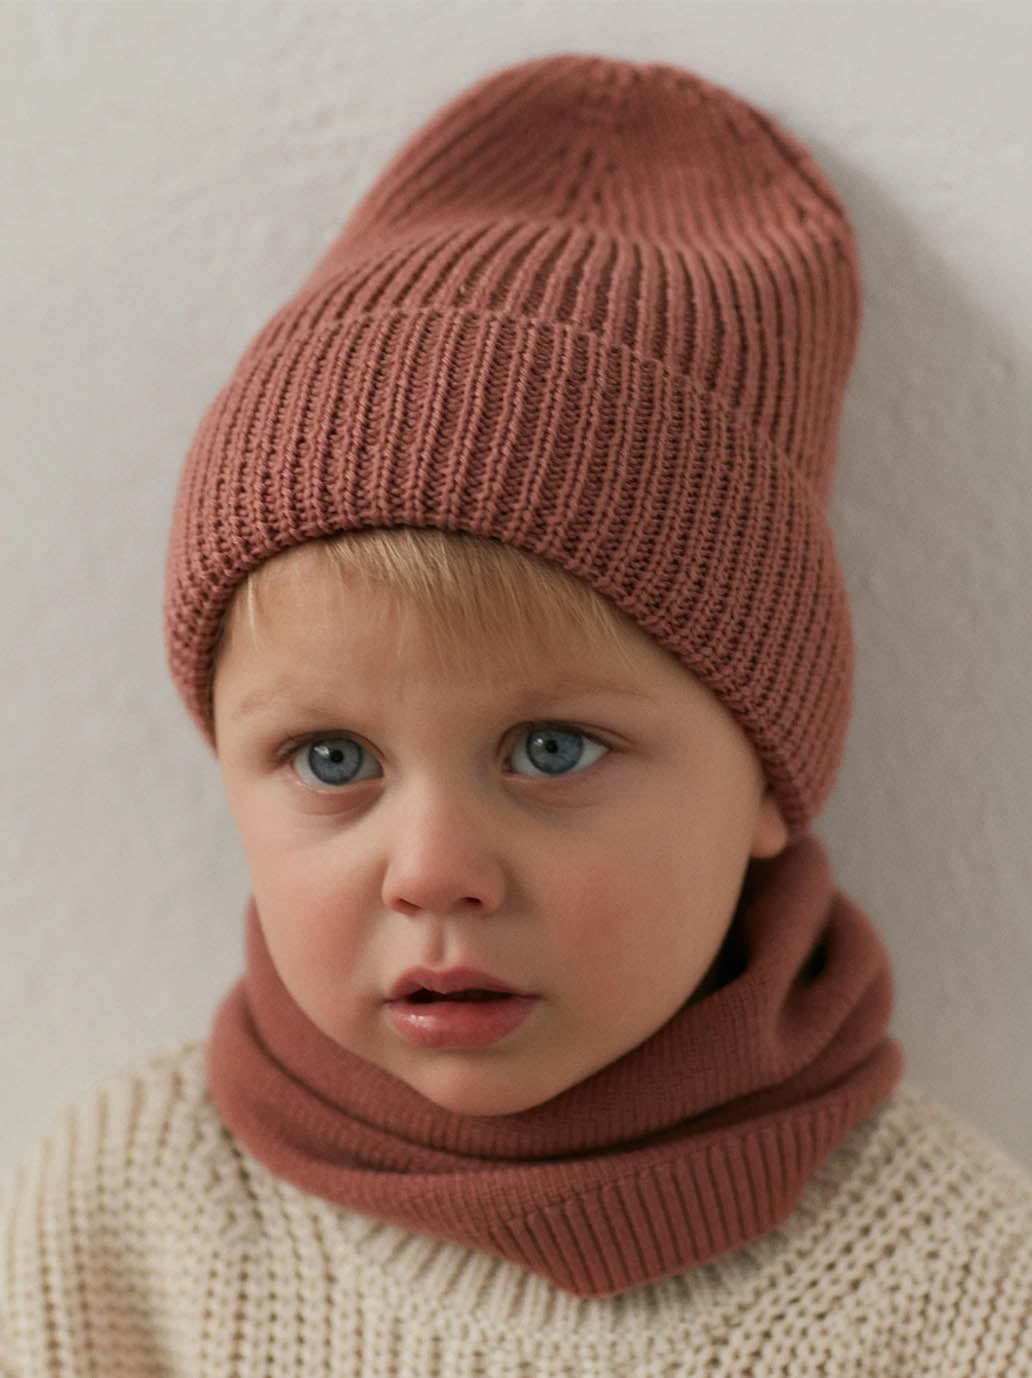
(473, 1016)
(428, 997)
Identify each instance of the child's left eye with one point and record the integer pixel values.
(545, 750)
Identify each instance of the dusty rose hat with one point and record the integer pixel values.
(602, 311)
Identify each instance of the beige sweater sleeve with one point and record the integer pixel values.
(140, 1240)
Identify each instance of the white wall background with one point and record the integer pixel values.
(170, 172)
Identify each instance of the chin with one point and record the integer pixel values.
(466, 1094)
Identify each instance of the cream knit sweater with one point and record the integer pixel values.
(140, 1239)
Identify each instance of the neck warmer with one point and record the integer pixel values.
(695, 1142)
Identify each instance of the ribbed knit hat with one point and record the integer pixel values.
(602, 311)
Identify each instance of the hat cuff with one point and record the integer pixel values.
(540, 435)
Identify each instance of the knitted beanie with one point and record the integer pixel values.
(599, 310)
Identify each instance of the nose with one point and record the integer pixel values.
(442, 859)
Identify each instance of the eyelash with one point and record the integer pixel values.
(289, 750)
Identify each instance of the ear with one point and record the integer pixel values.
(771, 835)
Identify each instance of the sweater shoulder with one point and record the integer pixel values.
(943, 1152)
(145, 1135)
(132, 1178)
(936, 1134)
(921, 1181)
(918, 1227)
(114, 1137)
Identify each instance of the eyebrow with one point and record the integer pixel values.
(568, 684)
(258, 700)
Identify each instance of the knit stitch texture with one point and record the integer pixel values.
(603, 312)
(693, 1142)
(141, 1239)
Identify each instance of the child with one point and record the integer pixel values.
(502, 586)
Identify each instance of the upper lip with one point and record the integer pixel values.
(447, 982)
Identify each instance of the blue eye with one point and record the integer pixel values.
(334, 761)
(555, 751)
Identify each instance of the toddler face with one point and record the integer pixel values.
(552, 835)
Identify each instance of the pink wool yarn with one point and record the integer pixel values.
(602, 311)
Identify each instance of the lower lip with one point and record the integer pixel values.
(459, 1023)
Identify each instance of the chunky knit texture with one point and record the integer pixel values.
(694, 1142)
(601, 311)
(141, 1239)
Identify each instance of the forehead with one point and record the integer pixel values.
(312, 626)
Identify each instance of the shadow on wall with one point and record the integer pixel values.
(931, 509)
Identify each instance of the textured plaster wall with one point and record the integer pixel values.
(171, 171)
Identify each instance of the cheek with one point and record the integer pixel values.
(318, 936)
(309, 893)
(642, 912)
(597, 905)
(625, 874)
(283, 852)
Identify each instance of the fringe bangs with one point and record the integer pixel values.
(469, 588)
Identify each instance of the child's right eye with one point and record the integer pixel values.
(325, 762)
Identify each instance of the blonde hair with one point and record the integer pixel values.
(466, 586)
